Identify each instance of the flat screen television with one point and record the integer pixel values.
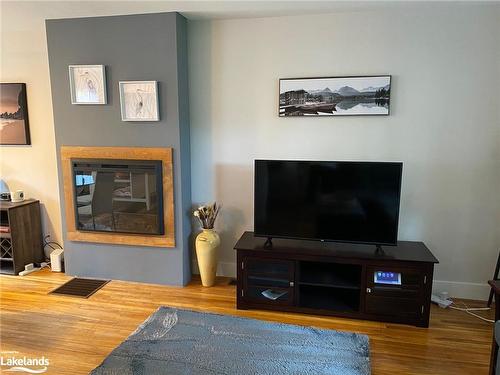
(340, 201)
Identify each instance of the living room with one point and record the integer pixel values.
(133, 115)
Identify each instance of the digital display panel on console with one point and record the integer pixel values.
(384, 277)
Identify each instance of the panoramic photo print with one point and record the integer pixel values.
(335, 96)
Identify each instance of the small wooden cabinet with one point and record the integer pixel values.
(336, 279)
(21, 235)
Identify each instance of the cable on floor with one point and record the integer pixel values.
(470, 311)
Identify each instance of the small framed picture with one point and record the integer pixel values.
(14, 124)
(87, 84)
(139, 100)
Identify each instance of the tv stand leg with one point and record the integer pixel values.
(269, 243)
(379, 250)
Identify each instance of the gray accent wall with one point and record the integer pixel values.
(133, 47)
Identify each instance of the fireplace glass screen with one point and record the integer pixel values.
(118, 196)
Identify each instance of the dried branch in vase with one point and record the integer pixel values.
(207, 214)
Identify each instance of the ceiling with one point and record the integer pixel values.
(196, 10)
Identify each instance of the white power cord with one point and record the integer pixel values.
(45, 265)
(469, 310)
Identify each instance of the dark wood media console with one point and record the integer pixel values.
(335, 279)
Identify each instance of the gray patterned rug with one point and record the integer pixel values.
(175, 341)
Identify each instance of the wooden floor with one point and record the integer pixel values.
(76, 334)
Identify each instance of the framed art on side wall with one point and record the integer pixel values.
(335, 96)
(87, 84)
(139, 100)
(14, 123)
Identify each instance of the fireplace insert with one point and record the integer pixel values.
(123, 196)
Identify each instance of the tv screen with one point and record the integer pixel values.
(328, 200)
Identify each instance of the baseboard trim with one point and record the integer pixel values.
(460, 289)
(226, 269)
(456, 289)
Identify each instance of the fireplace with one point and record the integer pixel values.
(123, 196)
(119, 195)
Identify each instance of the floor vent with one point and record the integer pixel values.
(78, 287)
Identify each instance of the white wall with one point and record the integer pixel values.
(444, 125)
(23, 58)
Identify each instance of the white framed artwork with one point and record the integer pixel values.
(139, 100)
(87, 84)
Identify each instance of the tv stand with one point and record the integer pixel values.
(269, 243)
(341, 279)
(379, 250)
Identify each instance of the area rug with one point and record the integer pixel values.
(175, 341)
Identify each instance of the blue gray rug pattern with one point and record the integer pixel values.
(174, 341)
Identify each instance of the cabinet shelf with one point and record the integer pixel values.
(269, 295)
(325, 298)
(333, 275)
(7, 267)
(334, 286)
(268, 281)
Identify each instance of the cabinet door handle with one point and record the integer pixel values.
(368, 290)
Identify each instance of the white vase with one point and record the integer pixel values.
(207, 244)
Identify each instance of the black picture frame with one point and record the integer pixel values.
(19, 120)
(367, 95)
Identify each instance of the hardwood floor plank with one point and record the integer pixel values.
(77, 334)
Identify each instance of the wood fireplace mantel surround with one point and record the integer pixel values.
(130, 153)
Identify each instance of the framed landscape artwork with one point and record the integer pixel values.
(87, 84)
(14, 124)
(335, 96)
(139, 100)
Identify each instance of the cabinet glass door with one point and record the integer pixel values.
(269, 281)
